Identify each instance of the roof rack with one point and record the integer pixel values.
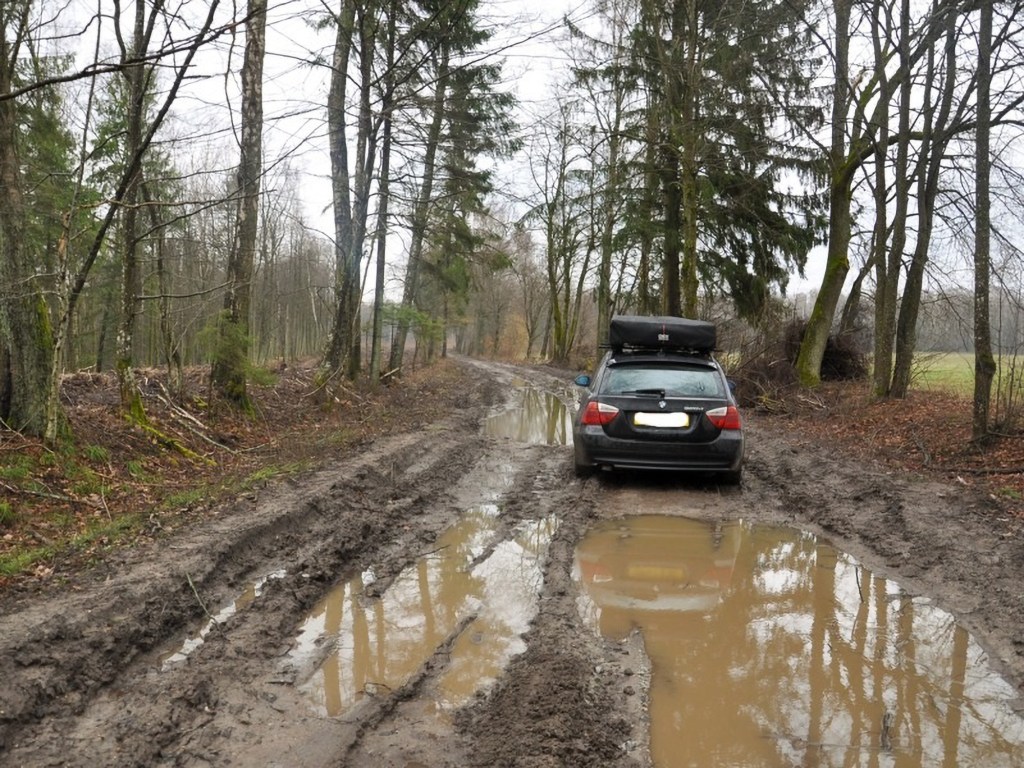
(628, 350)
(657, 333)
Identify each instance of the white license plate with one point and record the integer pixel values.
(661, 419)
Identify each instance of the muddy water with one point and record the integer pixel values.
(535, 417)
(246, 598)
(471, 597)
(770, 648)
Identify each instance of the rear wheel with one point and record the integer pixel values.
(581, 468)
(732, 477)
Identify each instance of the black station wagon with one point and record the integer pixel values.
(658, 400)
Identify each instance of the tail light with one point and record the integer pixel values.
(724, 418)
(598, 414)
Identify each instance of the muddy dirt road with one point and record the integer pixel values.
(455, 597)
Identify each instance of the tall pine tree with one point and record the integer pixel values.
(729, 86)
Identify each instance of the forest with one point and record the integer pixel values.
(293, 299)
(369, 182)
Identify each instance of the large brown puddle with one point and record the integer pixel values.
(474, 593)
(534, 417)
(769, 647)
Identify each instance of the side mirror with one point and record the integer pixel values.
(732, 386)
(583, 380)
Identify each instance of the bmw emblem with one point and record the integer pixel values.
(662, 404)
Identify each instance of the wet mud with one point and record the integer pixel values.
(455, 597)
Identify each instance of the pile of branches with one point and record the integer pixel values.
(844, 359)
(766, 376)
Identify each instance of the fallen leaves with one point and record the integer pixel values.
(928, 432)
(116, 485)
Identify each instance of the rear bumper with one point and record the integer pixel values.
(593, 448)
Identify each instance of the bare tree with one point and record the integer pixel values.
(604, 76)
(562, 178)
(841, 170)
(530, 282)
(356, 23)
(854, 134)
(984, 362)
(384, 192)
(136, 76)
(231, 356)
(937, 117)
(886, 257)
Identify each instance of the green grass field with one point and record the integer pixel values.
(954, 372)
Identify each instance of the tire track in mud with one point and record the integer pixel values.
(417, 732)
(228, 702)
(567, 700)
(74, 667)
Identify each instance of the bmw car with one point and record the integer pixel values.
(658, 405)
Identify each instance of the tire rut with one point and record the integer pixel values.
(80, 659)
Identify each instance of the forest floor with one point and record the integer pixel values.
(112, 551)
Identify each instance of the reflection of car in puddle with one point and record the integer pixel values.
(639, 568)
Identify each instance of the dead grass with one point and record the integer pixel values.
(117, 483)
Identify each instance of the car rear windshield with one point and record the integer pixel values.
(674, 381)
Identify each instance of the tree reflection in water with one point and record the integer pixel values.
(474, 591)
(768, 647)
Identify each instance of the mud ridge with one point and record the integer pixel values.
(554, 702)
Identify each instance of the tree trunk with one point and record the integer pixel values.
(671, 171)
(561, 240)
(421, 210)
(837, 265)
(366, 154)
(611, 201)
(933, 144)
(885, 325)
(849, 322)
(984, 362)
(384, 201)
(886, 279)
(688, 166)
(610, 204)
(351, 196)
(648, 303)
(131, 276)
(169, 351)
(337, 132)
(26, 342)
(672, 199)
(231, 359)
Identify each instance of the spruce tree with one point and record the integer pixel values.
(730, 89)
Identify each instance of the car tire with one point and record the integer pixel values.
(582, 471)
(732, 477)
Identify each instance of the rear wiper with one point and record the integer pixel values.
(652, 391)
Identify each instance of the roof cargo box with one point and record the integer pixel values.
(646, 332)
